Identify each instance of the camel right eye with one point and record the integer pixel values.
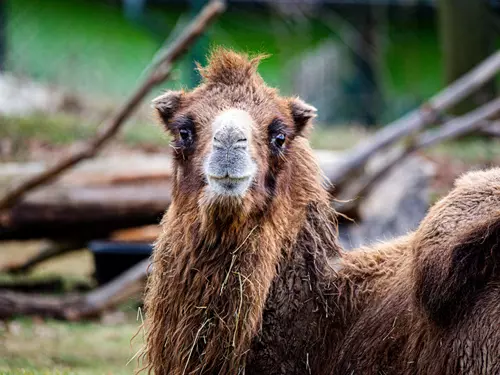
(279, 140)
(185, 134)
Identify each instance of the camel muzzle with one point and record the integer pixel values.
(229, 167)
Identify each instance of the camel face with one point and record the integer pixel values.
(237, 143)
(229, 167)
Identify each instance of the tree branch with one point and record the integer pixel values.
(76, 307)
(417, 119)
(492, 130)
(457, 127)
(110, 294)
(48, 251)
(160, 72)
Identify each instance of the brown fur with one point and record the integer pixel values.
(214, 263)
(260, 284)
(434, 301)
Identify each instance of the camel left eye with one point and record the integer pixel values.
(279, 140)
(185, 134)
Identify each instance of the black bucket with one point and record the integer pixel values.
(111, 258)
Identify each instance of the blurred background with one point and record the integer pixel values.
(65, 66)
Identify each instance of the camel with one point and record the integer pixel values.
(248, 276)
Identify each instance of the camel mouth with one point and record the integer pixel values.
(229, 186)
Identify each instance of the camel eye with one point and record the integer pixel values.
(185, 134)
(279, 140)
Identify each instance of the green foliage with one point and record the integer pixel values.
(411, 66)
(86, 46)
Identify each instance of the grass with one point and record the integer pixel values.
(469, 150)
(91, 47)
(63, 130)
(33, 346)
(28, 346)
(336, 138)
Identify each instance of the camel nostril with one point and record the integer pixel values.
(240, 143)
(227, 142)
(217, 143)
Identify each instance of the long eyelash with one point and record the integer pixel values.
(183, 148)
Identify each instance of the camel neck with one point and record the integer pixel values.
(301, 317)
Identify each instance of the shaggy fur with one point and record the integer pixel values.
(259, 285)
(433, 303)
(216, 260)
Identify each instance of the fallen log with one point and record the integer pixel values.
(47, 251)
(98, 197)
(94, 199)
(75, 307)
(454, 128)
(427, 114)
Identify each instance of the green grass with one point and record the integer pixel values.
(336, 138)
(82, 45)
(32, 346)
(469, 150)
(66, 129)
(90, 46)
(63, 130)
(54, 347)
(55, 129)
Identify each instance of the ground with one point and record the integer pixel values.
(34, 346)
(30, 346)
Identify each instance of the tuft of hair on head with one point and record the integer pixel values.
(229, 67)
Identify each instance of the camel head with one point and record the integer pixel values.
(236, 142)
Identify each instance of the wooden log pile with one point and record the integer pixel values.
(92, 200)
(97, 197)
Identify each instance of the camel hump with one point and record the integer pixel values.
(456, 249)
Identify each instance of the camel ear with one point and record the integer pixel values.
(302, 114)
(166, 105)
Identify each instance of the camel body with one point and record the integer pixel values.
(383, 310)
(248, 274)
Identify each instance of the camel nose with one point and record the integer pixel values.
(230, 136)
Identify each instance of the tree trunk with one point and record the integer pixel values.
(366, 93)
(198, 52)
(467, 39)
(3, 35)
(91, 201)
